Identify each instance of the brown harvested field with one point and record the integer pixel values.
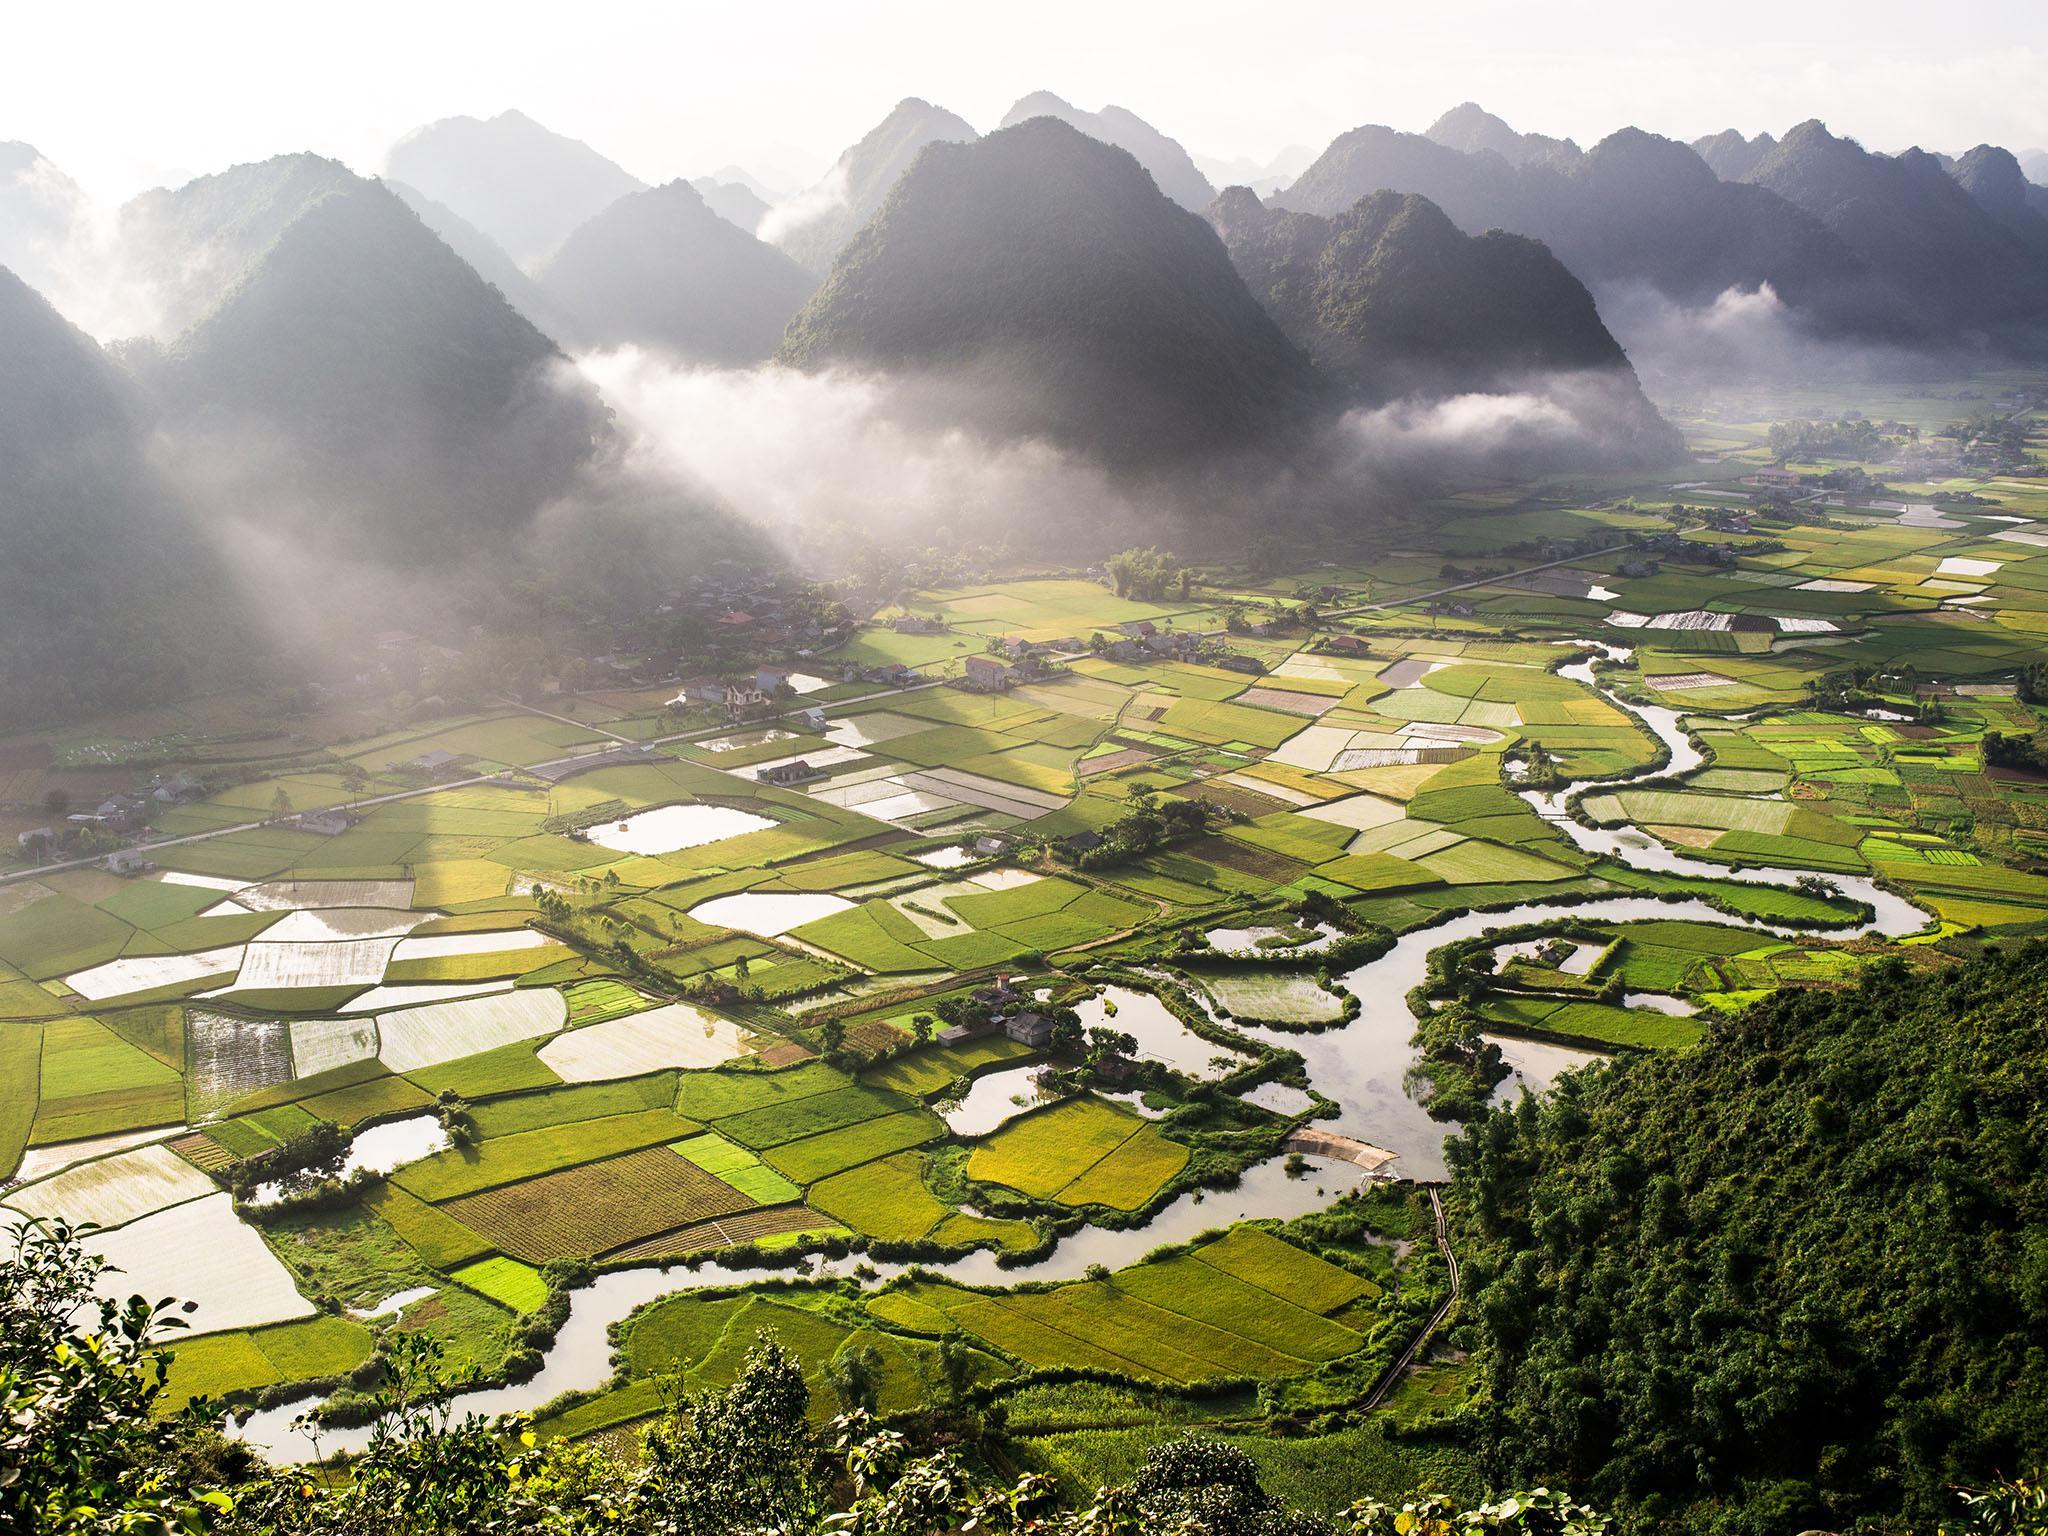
(1232, 797)
(785, 1054)
(1242, 857)
(202, 1151)
(1281, 698)
(747, 1226)
(584, 1211)
(872, 1036)
(1113, 762)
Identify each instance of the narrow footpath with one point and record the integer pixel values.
(1399, 1368)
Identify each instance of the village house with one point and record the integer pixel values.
(1773, 480)
(1116, 1069)
(1172, 645)
(126, 861)
(960, 1034)
(436, 761)
(1346, 645)
(1032, 1029)
(177, 788)
(797, 772)
(915, 624)
(999, 996)
(328, 823)
(1251, 666)
(742, 699)
(121, 813)
(987, 675)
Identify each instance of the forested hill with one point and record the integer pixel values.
(1797, 1277)
(1042, 275)
(108, 596)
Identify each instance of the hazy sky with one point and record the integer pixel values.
(133, 93)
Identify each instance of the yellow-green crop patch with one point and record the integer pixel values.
(816, 1157)
(1054, 1154)
(525, 1154)
(506, 1281)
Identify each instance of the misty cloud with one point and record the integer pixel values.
(801, 452)
(1744, 335)
(805, 208)
(1551, 419)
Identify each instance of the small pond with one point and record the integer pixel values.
(769, 914)
(1279, 1098)
(995, 1099)
(381, 1149)
(1161, 1037)
(1261, 992)
(670, 827)
(1534, 1065)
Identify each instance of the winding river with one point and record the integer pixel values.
(1362, 1065)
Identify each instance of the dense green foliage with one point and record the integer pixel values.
(861, 178)
(1062, 296)
(106, 593)
(1390, 295)
(357, 366)
(1798, 1275)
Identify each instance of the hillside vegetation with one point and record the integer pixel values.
(1044, 272)
(1798, 1277)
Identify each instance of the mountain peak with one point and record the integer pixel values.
(1650, 160)
(1042, 284)
(520, 182)
(1731, 156)
(662, 269)
(1171, 166)
(815, 224)
(1037, 104)
(1471, 129)
(1992, 176)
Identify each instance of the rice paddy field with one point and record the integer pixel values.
(662, 1008)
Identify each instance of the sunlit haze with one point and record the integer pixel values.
(780, 87)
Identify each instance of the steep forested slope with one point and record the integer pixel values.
(1172, 167)
(1797, 1276)
(660, 269)
(815, 226)
(1043, 274)
(108, 595)
(1636, 210)
(1391, 299)
(354, 373)
(1910, 222)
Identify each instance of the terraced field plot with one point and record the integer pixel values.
(596, 1207)
(1233, 1308)
(1079, 1152)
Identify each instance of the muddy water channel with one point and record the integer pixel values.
(1362, 1065)
(580, 1357)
